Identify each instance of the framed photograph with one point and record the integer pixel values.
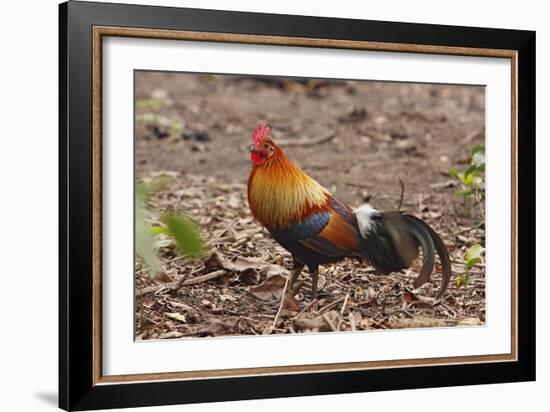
(256, 205)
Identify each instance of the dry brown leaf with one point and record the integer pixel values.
(470, 322)
(417, 322)
(276, 270)
(215, 327)
(409, 297)
(175, 316)
(366, 323)
(244, 263)
(162, 277)
(317, 323)
(234, 202)
(271, 289)
(290, 303)
(354, 319)
(228, 297)
(214, 262)
(248, 268)
(171, 335)
(297, 286)
(250, 277)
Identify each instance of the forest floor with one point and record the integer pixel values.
(358, 139)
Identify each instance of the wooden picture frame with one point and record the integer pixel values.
(82, 27)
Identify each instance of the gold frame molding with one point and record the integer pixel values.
(103, 31)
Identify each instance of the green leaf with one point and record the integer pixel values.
(474, 251)
(478, 148)
(471, 170)
(146, 188)
(165, 241)
(175, 316)
(472, 262)
(463, 280)
(176, 127)
(468, 180)
(473, 256)
(453, 172)
(159, 230)
(158, 183)
(149, 103)
(145, 245)
(463, 193)
(185, 234)
(147, 118)
(478, 159)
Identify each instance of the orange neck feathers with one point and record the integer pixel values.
(279, 192)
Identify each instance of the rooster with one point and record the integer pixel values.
(317, 228)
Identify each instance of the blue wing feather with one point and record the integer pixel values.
(307, 241)
(307, 228)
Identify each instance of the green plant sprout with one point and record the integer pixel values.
(472, 258)
(473, 179)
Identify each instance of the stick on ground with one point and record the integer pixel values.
(402, 193)
(280, 307)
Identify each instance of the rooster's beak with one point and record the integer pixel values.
(251, 148)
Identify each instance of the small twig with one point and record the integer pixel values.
(463, 262)
(344, 304)
(352, 321)
(329, 322)
(243, 238)
(141, 308)
(331, 305)
(280, 307)
(479, 204)
(467, 229)
(450, 310)
(242, 299)
(443, 185)
(151, 289)
(219, 235)
(204, 278)
(309, 305)
(472, 135)
(402, 193)
(177, 284)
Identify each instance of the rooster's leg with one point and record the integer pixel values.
(314, 280)
(298, 267)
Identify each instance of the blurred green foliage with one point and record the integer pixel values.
(174, 125)
(175, 226)
(145, 245)
(472, 179)
(149, 103)
(185, 234)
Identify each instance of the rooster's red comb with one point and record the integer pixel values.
(260, 132)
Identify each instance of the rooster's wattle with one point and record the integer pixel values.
(317, 228)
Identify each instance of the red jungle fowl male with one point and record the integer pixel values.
(317, 228)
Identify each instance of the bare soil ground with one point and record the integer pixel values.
(357, 139)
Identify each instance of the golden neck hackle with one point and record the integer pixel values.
(279, 192)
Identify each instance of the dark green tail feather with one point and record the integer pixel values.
(393, 244)
(418, 230)
(424, 233)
